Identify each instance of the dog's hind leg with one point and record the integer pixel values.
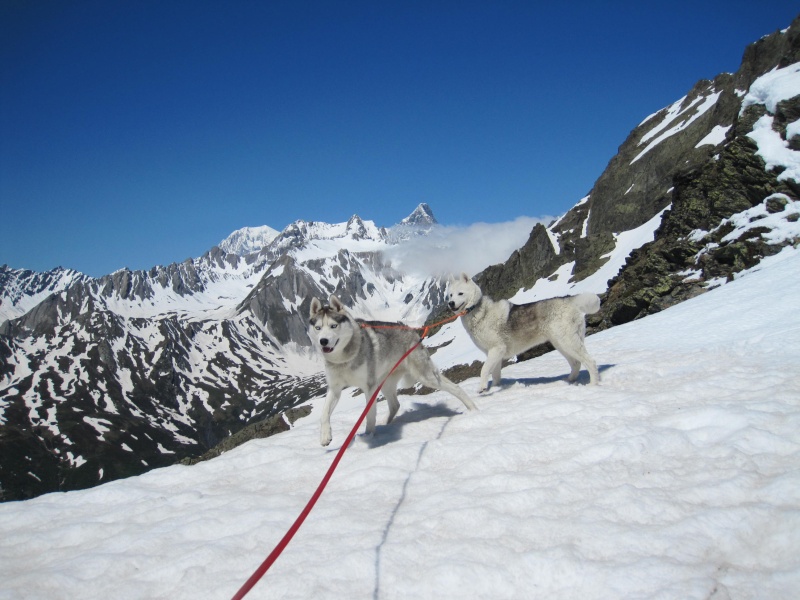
(591, 365)
(373, 412)
(390, 393)
(496, 379)
(437, 381)
(421, 367)
(575, 352)
(575, 368)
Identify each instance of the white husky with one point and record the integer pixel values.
(361, 353)
(503, 330)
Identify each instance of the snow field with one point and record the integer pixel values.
(677, 477)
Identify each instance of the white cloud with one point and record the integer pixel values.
(470, 249)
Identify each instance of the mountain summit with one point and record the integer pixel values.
(419, 222)
(421, 217)
(248, 240)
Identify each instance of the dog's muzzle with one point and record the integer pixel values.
(323, 343)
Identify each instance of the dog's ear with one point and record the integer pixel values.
(316, 306)
(337, 305)
(465, 278)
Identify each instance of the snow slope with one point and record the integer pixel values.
(677, 477)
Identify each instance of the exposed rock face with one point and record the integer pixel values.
(675, 266)
(699, 158)
(536, 259)
(637, 183)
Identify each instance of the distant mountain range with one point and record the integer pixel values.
(107, 377)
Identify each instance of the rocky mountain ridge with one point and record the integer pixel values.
(697, 157)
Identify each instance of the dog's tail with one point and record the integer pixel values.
(587, 303)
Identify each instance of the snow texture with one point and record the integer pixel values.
(678, 117)
(772, 88)
(677, 477)
(248, 240)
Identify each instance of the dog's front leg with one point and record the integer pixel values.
(491, 367)
(331, 400)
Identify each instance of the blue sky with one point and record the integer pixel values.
(141, 133)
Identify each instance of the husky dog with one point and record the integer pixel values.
(503, 330)
(361, 353)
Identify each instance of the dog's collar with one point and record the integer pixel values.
(473, 307)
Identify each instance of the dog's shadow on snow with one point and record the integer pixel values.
(583, 378)
(418, 412)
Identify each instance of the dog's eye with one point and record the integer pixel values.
(334, 325)
(317, 327)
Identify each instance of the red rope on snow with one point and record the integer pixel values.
(276, 552)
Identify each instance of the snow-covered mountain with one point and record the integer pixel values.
(248, 240)
(421, 217)
(22, 289)
(418, 223)
(675, 478)
(109, 377)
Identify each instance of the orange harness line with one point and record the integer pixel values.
(424, 329)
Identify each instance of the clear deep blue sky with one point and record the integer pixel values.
(144, 132)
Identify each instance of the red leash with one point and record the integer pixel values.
(273, 556)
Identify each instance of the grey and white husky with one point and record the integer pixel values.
(502, 329)
(361, 353)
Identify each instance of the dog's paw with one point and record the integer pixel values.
(325, 437)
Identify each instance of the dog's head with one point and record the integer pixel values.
(330, 327)
(462, 293)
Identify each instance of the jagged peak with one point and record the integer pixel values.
(420, 222)
(422, 216)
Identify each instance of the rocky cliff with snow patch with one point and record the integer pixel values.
(724, 153)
